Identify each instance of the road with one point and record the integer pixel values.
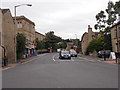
(48, 71)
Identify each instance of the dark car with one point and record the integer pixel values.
(73, 53)
(64, 55)
(103, 53)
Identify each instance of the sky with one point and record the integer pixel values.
(69, 19)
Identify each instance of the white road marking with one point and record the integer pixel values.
(61, 60)
(72, 59)
(54, 57)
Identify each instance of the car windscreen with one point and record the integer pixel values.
(73, 52)
(65, 52)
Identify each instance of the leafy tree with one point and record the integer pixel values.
(100, 17)
(107, 42)
(40, 44)
(21, 41)
(96, 44)
(76, 42)
(111, 13)
(62, 44)
(117, 8)
(104, 23)
(100, 43)
(51, 40)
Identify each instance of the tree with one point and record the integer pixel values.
(100, 43)
(51, 40)
(21, 41)
(117, 8)
(111, 13)
(96, 44)
(100, 17)
(104, 22)
(107, 42)
(40, 44)
(62, 44)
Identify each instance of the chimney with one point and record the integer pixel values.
(88, 26)
(89, 29)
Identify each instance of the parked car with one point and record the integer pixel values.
(64, 54)
(73, 53)
(104, 52)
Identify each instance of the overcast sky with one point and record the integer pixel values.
(65, 17)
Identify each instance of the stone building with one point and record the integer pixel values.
(39, 36)
(87, 38)
(0, 36)
(8, 35)
(26, 27)
(69, 45)
(84, 42)
(115, 37)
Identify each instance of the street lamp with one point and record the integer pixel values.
(16, 23)
(19, 6)
(76, 41)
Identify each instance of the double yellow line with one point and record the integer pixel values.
(87, 59)
(33, 59)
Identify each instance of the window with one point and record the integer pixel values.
(19, 24)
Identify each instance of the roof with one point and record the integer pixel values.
(118, 23)
(4, 10)
(39, 33)
(83, 35)
(24, 18)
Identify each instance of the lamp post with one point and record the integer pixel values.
(19, 6)
(76, 41)
(15, 7)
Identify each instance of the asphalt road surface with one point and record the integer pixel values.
(48, 71)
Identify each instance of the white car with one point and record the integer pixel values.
(64, 54)
(73, 53)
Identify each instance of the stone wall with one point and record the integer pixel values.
(84, 43)
(115, 37)
(9, 36)
(0, 36)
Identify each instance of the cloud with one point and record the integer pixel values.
(65, 17)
